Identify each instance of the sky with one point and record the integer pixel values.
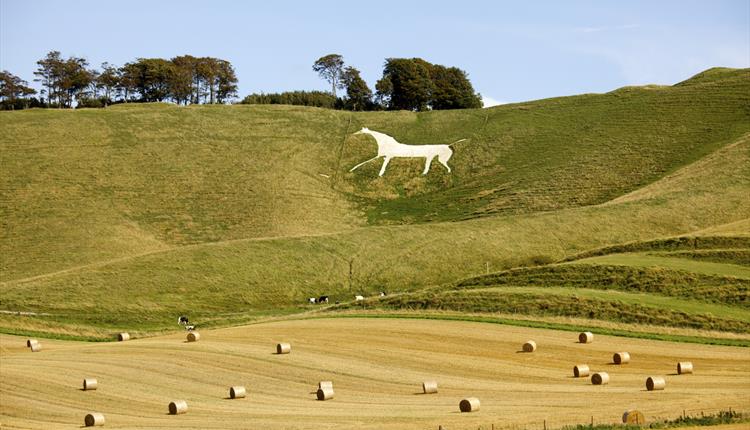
(512, 50)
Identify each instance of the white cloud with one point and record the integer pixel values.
(489, 102)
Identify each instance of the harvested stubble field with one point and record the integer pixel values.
(377, 367)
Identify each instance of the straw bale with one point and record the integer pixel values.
(469, 404)
(655, 383)
(429, 387)
(684, 367)
(621, 358)
(90, 384)
(325, 394)
(283, 348)
(94, 419)
(600, 378)
(237, 392)
(633, 417)
(581, 370)
(178, 407)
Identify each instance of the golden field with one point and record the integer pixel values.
(377, 367)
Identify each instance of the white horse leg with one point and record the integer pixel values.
(443, 158)
(385, 164)
(427, 162)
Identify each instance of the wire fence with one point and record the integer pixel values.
(655, 420)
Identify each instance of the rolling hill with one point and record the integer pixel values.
(125, 217)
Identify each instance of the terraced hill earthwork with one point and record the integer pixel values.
(625, 214)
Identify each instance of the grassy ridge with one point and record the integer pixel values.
(549, 302)
(656, 280)
(672, 244)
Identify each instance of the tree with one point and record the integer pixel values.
(406, 84)
(49, 74)
(13, 89)
(149, 77)
(330, 68)
(415, 84)
(226, 86)
(74, 80)
(452, 89)
(358, 94)
(108, 81)
(181, 81)
(207, 69)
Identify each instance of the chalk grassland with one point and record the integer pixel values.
(228, 282)
(377, 368)
(133, 179)
(123, 218)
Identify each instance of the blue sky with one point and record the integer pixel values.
(512, 51)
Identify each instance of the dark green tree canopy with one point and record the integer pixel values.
(415, 84)
(410, 85)
(358, 94)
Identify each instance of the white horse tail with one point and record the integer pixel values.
(458, 141)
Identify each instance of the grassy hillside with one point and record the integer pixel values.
(233, 281)
(125, 217)
(104, 184)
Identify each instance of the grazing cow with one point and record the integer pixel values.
(183, 320)
(189, 327)
(312, 300)
(323, 299)
(358, 298)
(382, 294)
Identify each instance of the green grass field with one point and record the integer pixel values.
(125, 217)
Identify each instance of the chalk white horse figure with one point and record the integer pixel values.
(389, 147)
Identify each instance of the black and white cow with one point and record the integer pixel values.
(323, 299)
(183, 320)
(312, 300)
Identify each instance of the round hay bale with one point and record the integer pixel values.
(193, 336)
(325, 385)
(600, 378)
(123, 337)
(586, 337)
(36, 347)
(633, 417)
(469, 404)
(621, 358)
(684, 367)
(29, 342)
(178, 407)
(325, 394)
(283, 348)
(581, 370)
(89, 384)
(237, 392)
(94, 419)
(429, 387)
(529, 346)
(655, 383)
